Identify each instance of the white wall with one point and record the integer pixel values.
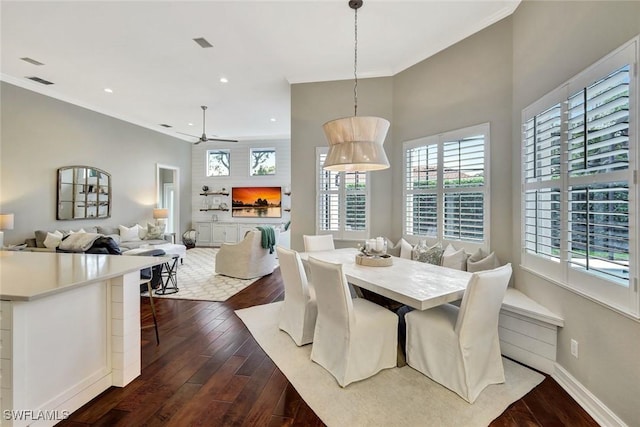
(239, 177)
(40, 134)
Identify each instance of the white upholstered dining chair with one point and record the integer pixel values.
(321, 242)
(299, 311)
(353, 339)
(459, 347)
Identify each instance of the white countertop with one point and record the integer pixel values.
(27, 276)
(416, 284)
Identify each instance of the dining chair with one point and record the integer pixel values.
(321, 242)
(459, 347)
(353, 339)
(299, 311)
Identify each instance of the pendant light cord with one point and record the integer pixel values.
(355, 66)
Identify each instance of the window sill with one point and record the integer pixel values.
(618, 310)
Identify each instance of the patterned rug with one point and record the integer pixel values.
(197, 279)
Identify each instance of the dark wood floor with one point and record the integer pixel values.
(209, 371)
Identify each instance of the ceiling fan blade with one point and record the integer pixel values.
(222, 140)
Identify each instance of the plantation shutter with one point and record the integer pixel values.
(421, 202)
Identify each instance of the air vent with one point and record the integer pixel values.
(39, 80)
(202, 42)
(31, 61)
(164, 125)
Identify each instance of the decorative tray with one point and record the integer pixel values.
(374, 261)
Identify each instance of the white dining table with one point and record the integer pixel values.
(416, 284)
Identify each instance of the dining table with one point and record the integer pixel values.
(416, 284)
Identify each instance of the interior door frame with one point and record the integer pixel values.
(160, 194)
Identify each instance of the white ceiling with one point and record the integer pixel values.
(144, 51)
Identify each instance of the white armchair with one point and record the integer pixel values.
(246, 259)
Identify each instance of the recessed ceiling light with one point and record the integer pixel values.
(273, 119)
(224, 80)
(202, 42)
(189, 124)
(106, 89)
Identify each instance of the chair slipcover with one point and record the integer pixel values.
(459, 347)
(246, 259)
(353, 339)
(299, 311)
(322, 242)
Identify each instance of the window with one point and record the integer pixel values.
(342, 202)
(218, 162)
(446, 189)
(262, 161)
(579, 153)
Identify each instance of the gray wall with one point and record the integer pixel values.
(41, 134)
(553, 41)
(312, 105)
(465, 85)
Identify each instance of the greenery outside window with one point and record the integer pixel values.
(262, 161)
(218, 162)
(579, 202)
(342, 201)
(446, 187)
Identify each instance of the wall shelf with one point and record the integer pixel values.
(214, 209)
(215, 193)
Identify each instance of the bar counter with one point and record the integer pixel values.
(70, 329)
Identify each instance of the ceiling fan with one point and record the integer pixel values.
(204, 138)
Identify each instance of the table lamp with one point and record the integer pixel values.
(161, 215)
(6, 223)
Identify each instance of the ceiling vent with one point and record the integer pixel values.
(203, 42)
(31, 61)
(39, 80)
(164, 125)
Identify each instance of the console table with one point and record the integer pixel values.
(70, 328)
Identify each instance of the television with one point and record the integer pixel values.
(256, 202)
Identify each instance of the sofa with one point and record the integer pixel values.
(125, 237)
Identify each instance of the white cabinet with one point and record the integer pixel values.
(224, 233)
(204, 235)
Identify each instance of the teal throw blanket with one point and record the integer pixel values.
(268, 238)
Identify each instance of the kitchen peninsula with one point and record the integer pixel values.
(70, 329)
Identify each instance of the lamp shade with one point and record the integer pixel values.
(355, 144)
(160, 213)
(6, 221)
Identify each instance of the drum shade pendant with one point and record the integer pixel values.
(355, 143)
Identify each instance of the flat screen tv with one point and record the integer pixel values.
(256, 202)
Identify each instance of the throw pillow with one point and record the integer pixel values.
(429, 254)
(405, 249)
(393, 249)
(154, 232)
(129, 234)
(79, 231)
(142, 232)
(456, 259)
(479, 261)
(53, 240)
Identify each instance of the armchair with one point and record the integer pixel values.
(246, 259)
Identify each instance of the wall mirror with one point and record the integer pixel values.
(83, 192)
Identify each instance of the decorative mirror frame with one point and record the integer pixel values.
(83, 192)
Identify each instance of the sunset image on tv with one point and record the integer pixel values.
(258, 202)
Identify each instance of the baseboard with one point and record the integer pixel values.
(590, 403)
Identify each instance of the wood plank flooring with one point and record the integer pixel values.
(209, 371)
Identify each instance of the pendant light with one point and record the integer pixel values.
(355, 143)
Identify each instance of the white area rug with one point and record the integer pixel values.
(393, 397)
(197, 279)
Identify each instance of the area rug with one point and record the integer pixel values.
(197, 278)
(393, 397)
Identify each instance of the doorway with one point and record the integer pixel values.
(168, 196)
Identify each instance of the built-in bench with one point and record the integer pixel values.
(528, 331)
